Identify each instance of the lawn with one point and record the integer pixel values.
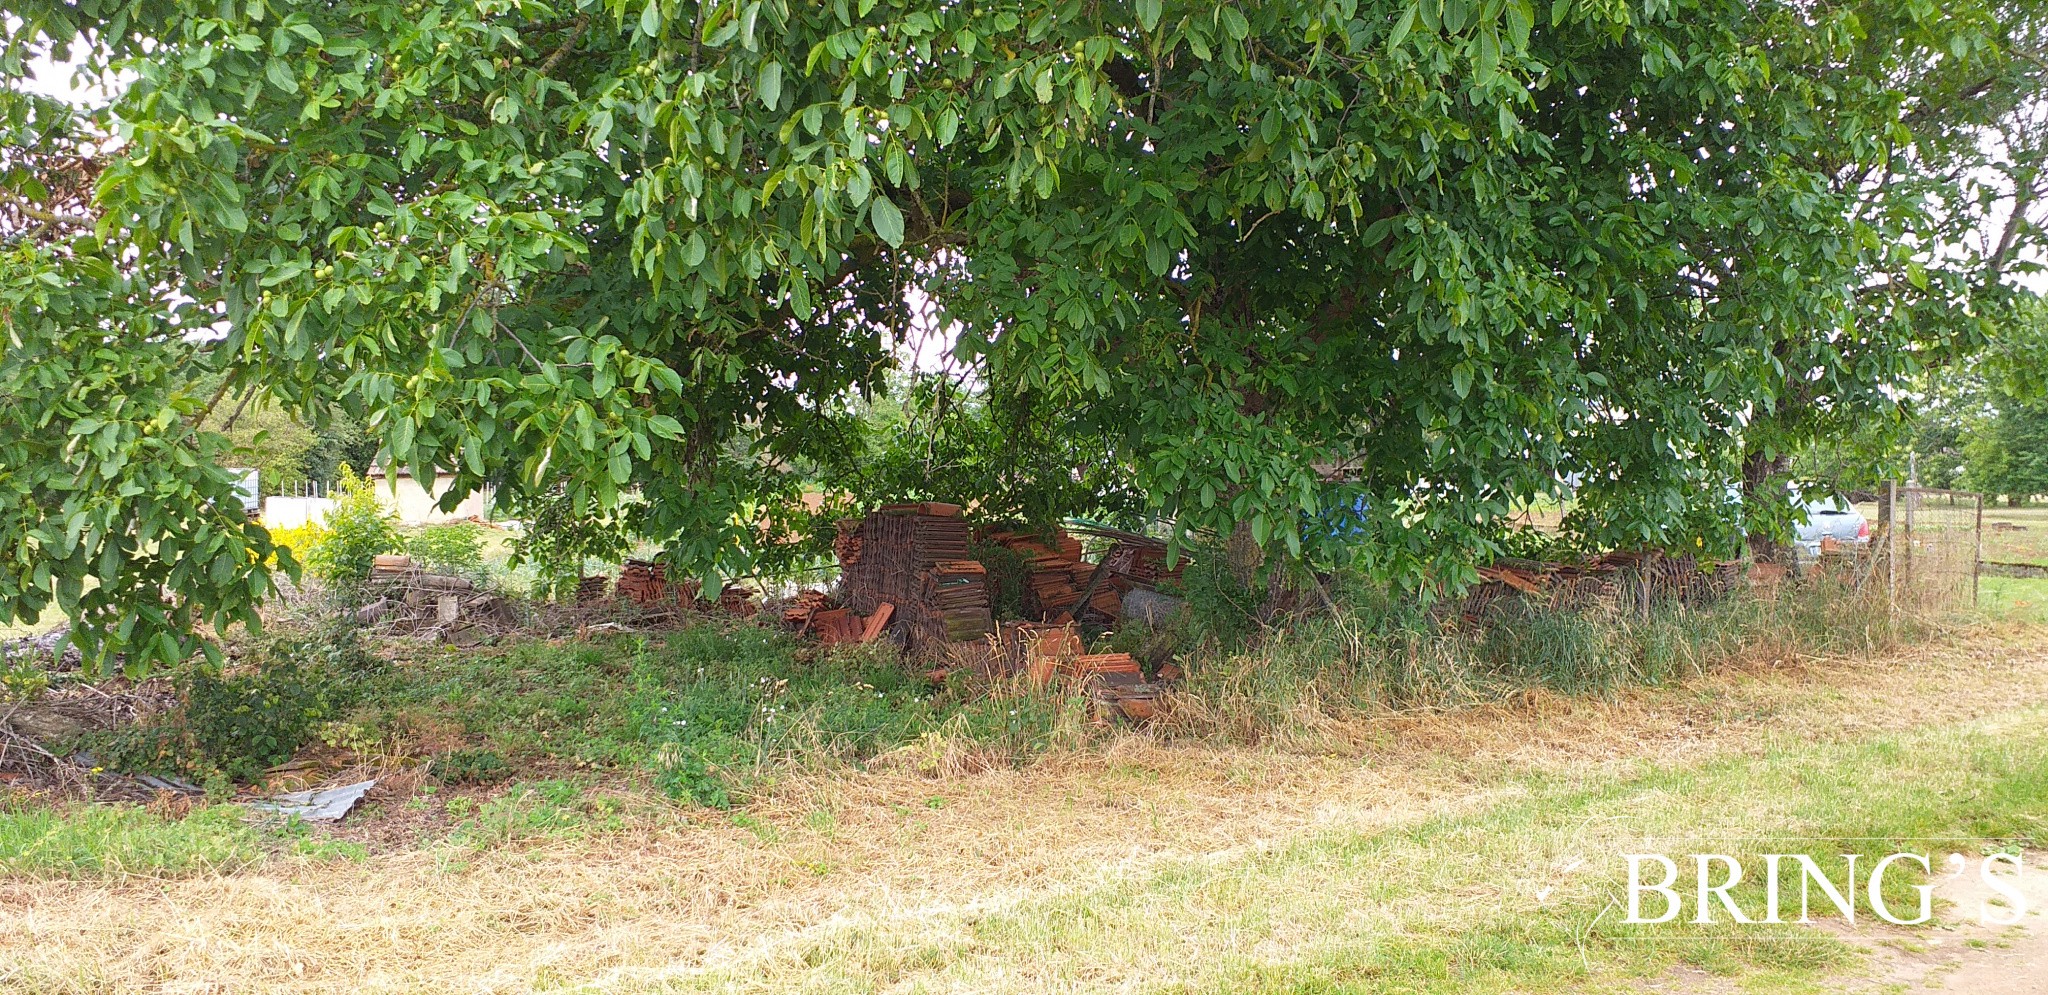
(1465, 852)
(2015, 597)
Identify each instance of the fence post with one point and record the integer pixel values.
(1912, 503)
(1977, 554)
(1891, 546)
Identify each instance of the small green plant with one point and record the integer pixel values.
(457, 548)
(470, 767)
(22, 679)
(357, 531)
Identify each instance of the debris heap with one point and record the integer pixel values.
(432, 605)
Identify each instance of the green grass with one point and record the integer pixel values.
(711, 712)
(1449, 904)
(2014, 597)
(38, 840)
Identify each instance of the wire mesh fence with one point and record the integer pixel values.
(1929, 543)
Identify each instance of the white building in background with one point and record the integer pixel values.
(292, 511)
(418, 503)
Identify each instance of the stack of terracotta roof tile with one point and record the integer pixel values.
(955, 604)
(836, 625)
(1617, 572)
(738, 602)
(646, 583)
(846, 544)
(643, 582)
(800, 608)
(1040, 649)
(914, 558)
(591, 589)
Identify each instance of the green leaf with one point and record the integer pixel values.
(1158, 256)
(280, 76)
(1402, 25)
(650, 19)
(887, 220)
(771, 85)
(1234, 23)
(1149, 12)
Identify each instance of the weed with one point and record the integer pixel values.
(22, 679)
(470, 767)
(551, 809)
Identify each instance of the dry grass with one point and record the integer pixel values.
(677, 892)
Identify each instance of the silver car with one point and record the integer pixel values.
(1829, 518)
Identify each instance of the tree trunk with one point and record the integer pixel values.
(1758, 473)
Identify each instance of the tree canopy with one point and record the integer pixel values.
(1239, 262)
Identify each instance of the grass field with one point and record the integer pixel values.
(1465, 852)
(2023, 540)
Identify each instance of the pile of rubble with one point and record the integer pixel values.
(432, 606)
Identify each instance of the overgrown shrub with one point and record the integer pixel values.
(357, 531)
(1008, 578)
(1222, 606)
(299, 540)
(242, 724)
(235, 724)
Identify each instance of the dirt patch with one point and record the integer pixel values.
(1969, 948)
